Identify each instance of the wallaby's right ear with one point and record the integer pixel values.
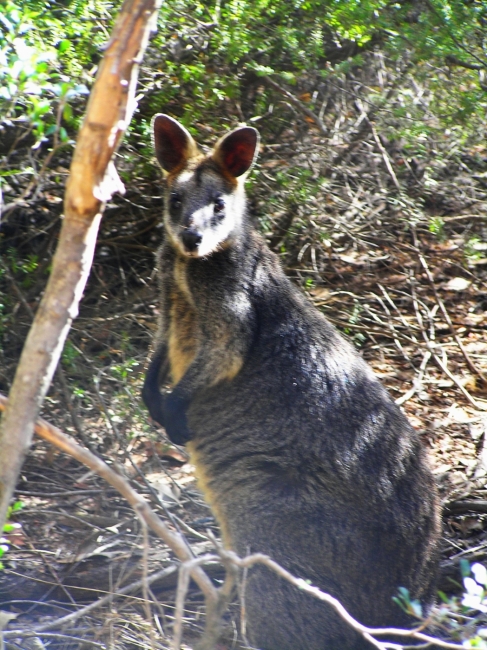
(237, 150)
(173, 144)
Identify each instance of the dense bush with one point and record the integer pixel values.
(338, 89)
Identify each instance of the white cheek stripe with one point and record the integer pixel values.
(200, 218)
(213, 236)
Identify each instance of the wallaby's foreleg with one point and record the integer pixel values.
(220, 358)
(210, 366)
(157, 374)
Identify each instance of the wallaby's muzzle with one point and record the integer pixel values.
(191, 240)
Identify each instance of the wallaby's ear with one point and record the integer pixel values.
(237, 151)
(173, 144)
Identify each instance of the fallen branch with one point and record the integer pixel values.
(101, 602)
(368, 633)
(467, 505)
(215, 599)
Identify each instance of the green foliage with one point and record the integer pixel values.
(410, 606)
(123, 371)
(437, 227)
(211, 49)
(9, 527)
(464, 617)
(474, 249)
(206, 54)
(45, 48)
(70, 355)
(126, 399)
(23, 269)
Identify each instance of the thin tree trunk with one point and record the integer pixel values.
(92, 181)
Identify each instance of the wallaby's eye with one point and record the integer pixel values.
(219, 205)
(175, 200)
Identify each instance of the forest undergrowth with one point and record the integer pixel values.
(381, 223)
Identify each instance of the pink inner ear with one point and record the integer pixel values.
(170, 142)
(239, 157)
(238, 150)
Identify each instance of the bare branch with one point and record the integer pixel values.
(453, 60)
(175, 541)
(296, 102)
(368, 633)
(92, 181)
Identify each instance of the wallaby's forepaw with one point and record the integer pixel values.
(176, 423)
(156, 409)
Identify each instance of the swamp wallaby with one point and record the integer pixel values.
(299, 450)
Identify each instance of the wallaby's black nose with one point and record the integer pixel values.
(191, 240)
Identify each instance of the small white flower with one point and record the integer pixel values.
(480, 573)
(473, 601)
(472, 587)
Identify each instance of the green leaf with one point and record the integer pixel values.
(67, 113)
(64, 45)
(464, 567)
(42, 66)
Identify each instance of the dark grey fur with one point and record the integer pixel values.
(305, 456)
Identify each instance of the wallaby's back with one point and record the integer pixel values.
(299, 449)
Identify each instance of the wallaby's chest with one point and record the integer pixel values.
(183, 323)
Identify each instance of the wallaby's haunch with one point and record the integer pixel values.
(299, 450)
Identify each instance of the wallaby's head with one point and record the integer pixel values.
(205, 200)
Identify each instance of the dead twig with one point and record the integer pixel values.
(380, 146)
(86, 643)
(296, 102)
(417, 382)
(430, 346)
(368, 633)
(444, 310)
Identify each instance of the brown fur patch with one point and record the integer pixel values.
(182, 335)
(203, 481)
(231, 365)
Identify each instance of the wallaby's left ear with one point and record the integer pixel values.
(237, 151)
